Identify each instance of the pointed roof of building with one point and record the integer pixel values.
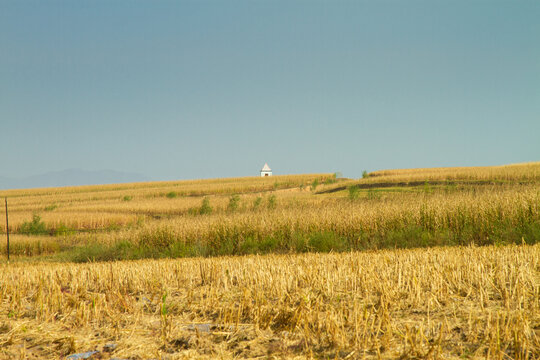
(266, 167)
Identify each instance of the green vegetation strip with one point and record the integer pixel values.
(411, 184)
(163, 243)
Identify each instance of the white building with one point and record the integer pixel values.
(266, 171)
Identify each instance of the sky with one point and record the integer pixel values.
(205, 89)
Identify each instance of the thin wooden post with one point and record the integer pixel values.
(7, 230)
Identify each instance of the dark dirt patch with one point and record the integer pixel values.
(416, 184)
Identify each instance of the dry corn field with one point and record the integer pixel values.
(103, 206)
(421, 263)
(526, 172)
(461, 302)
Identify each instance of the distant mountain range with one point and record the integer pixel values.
(71, 177)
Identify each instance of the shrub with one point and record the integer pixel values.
(365, 174)
(353, 192)
(314, 184)
(172, 194)
(233, 202)
(34, 227)
(205, 207)
(50, 207)
(127, 198)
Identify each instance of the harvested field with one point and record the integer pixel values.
(461, 302)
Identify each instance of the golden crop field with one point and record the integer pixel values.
(97, 207)
(526, 172)
(283, 213)
(420, 263)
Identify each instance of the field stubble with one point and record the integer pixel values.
(461, 302)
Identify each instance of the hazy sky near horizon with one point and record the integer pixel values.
(198, 89)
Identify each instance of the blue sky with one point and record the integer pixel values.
(198, 89)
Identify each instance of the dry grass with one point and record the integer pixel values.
(439, 303)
